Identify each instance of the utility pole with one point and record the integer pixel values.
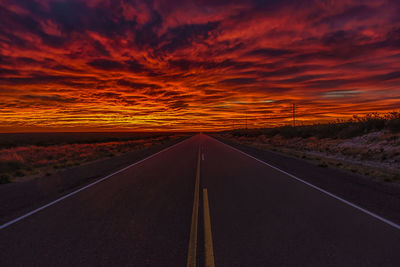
(294, 115)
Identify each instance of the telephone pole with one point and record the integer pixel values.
(294, 115)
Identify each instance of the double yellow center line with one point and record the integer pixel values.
(208, 245)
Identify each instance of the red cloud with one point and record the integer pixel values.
(188, 65)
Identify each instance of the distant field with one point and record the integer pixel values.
(36, 154)
(8, 140)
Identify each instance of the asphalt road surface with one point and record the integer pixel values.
(199, 203)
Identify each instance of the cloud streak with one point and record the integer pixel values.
(192, 65)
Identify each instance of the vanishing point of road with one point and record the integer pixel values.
(199, 203)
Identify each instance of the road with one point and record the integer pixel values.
(200, 203)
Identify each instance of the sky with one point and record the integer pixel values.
(122, 65)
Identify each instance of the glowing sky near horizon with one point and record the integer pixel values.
(192, 65)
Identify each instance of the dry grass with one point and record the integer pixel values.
(357, 126)
(376, 154)
(35, 160)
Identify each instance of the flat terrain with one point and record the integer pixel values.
(144, 216)
(25, 156)
(375, 155)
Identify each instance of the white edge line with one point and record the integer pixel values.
(319, 189)
(85, 187)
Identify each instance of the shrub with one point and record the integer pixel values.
(8, 166)
(323, 165)
(354, 127)
(19, 173)
(393, 125)
(350, 131)
(4, 179)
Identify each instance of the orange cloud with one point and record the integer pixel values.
(194, 65)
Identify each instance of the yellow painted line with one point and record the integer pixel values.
(208, 244)
(191, 259)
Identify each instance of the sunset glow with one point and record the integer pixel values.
(102, 65)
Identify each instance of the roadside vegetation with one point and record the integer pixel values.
(368, 145)
(28, 155)
(356, 126)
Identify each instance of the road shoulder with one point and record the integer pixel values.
(380, 198)
(21, 197)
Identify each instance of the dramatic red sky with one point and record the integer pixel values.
(190, 65)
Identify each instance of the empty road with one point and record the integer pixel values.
(199, 203)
